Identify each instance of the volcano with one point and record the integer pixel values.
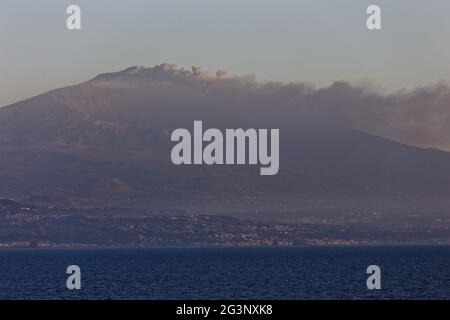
(106, 142)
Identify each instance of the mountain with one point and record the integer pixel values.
(106, 142)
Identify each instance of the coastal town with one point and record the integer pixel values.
(23, 226)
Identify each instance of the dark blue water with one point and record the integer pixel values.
(227, 273)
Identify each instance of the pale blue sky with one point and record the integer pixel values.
(318, 41)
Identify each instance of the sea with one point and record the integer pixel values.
(274, 273)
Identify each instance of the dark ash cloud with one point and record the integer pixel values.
(418, 117)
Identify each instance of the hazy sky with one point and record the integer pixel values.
(318, 41)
